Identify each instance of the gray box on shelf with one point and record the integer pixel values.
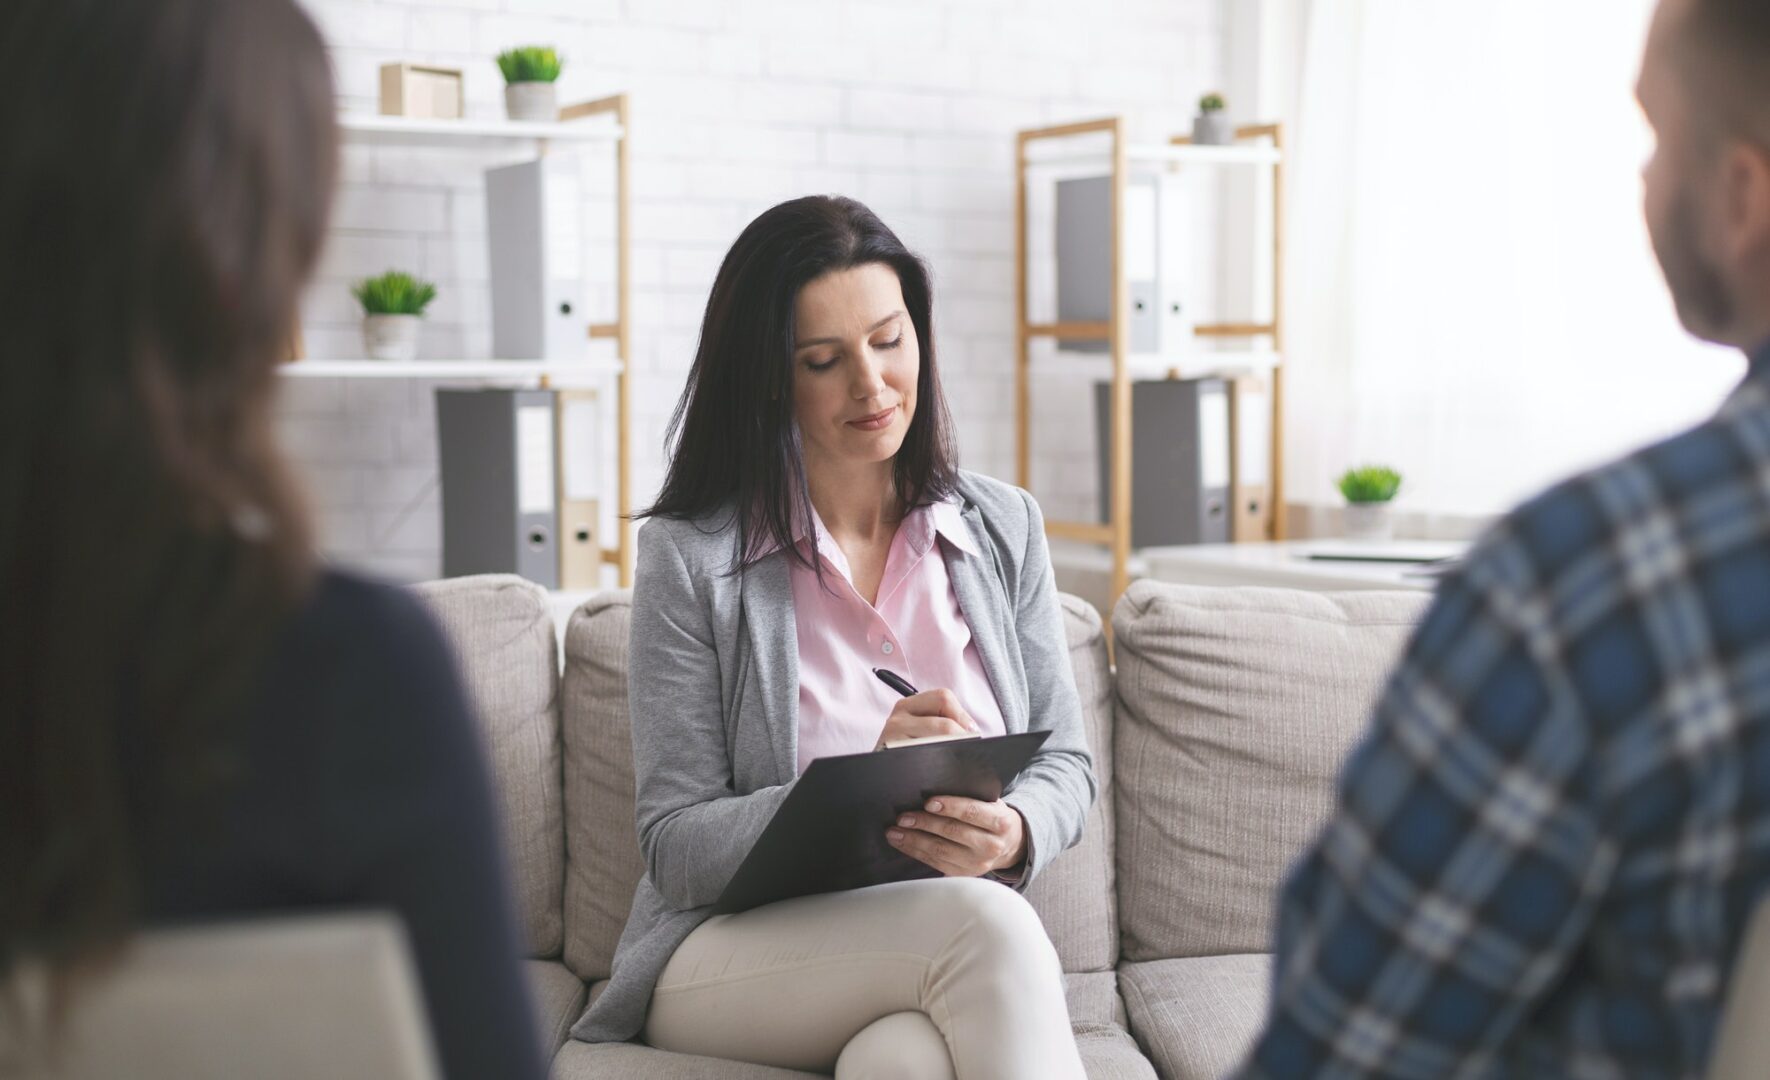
(496, 451)
(1154, 260)
(1180, 452)
(534, 225)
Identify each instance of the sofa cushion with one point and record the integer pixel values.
(1197, 1017)
(1093, 998)
(502, 635)
(1236, 708)
(1109, 1053)
(1074, 895)
(603, 862)
(559, 1001)
(634, 1061)
(1096, 1014)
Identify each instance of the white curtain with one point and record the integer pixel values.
(1473, 296)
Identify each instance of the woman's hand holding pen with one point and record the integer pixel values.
(931, 712)
(959, 837)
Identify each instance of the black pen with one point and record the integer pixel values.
(895, 681)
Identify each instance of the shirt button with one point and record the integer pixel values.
(886, 648)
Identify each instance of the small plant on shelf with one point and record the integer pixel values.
(1368, 491)
(1212, 127)
(1370, 484)
(530, 72)
(392, 305)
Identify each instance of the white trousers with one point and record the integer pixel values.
(945, 978)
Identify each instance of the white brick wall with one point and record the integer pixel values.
(909, 106)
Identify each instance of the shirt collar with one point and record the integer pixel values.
(944, 518)
(949, 521)
(1753, 392)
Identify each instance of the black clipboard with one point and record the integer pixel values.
(829, 833)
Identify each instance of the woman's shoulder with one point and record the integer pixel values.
(358, 631)
(347, 607)
(702, 542)
(1007, 509)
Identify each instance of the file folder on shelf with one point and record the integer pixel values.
(1180, 460)
(500, 506)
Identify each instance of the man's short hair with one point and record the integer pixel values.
(1727, 56)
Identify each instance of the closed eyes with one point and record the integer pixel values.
(831, 362)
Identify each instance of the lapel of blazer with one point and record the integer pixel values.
(774, 656)
(983, 600)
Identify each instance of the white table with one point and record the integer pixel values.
(1288, 564)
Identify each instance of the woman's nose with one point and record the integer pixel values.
(869, 376)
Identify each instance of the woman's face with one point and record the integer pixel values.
(855, 364)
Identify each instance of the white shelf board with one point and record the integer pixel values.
(1198, 364)
(370, 127)
(1166, 154)
(520, 370)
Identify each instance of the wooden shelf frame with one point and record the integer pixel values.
(1116, 534)
(621, 330)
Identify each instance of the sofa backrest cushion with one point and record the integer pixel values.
(1074, 896)
(502, 633)
(603, 864)
(1236, 708)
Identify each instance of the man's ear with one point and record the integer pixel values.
(1746, 203)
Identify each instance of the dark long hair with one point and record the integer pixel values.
(735, 441)
(167, 181)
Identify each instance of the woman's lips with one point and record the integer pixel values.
(876, 421)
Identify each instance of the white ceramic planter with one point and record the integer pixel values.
(531, 101)
(1369, 521)
(1212, 129)
(391, 337)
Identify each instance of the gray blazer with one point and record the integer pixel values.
(714, 695)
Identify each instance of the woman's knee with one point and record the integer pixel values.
(902, 1046)
(995, 919)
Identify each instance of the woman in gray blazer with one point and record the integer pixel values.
(813, 470)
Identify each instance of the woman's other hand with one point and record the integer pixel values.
(962, 837)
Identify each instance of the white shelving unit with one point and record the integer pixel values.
(604, 121)
(1043, 155)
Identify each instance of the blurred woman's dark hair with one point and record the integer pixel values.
(167, 180)
(735, 442)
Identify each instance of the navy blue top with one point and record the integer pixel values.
(1547, 849)
(361, 784)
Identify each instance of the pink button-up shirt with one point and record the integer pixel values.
(915, 628)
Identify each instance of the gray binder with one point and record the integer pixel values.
(499, 499)
(1154, 257)
(1180, 455)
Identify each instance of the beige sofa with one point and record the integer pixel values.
(1216, 742)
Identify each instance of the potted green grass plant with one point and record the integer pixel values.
(530, 72)
(1368, 491)
(1212, 127)
(392, 305)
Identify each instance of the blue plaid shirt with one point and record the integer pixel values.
(1547, 848)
